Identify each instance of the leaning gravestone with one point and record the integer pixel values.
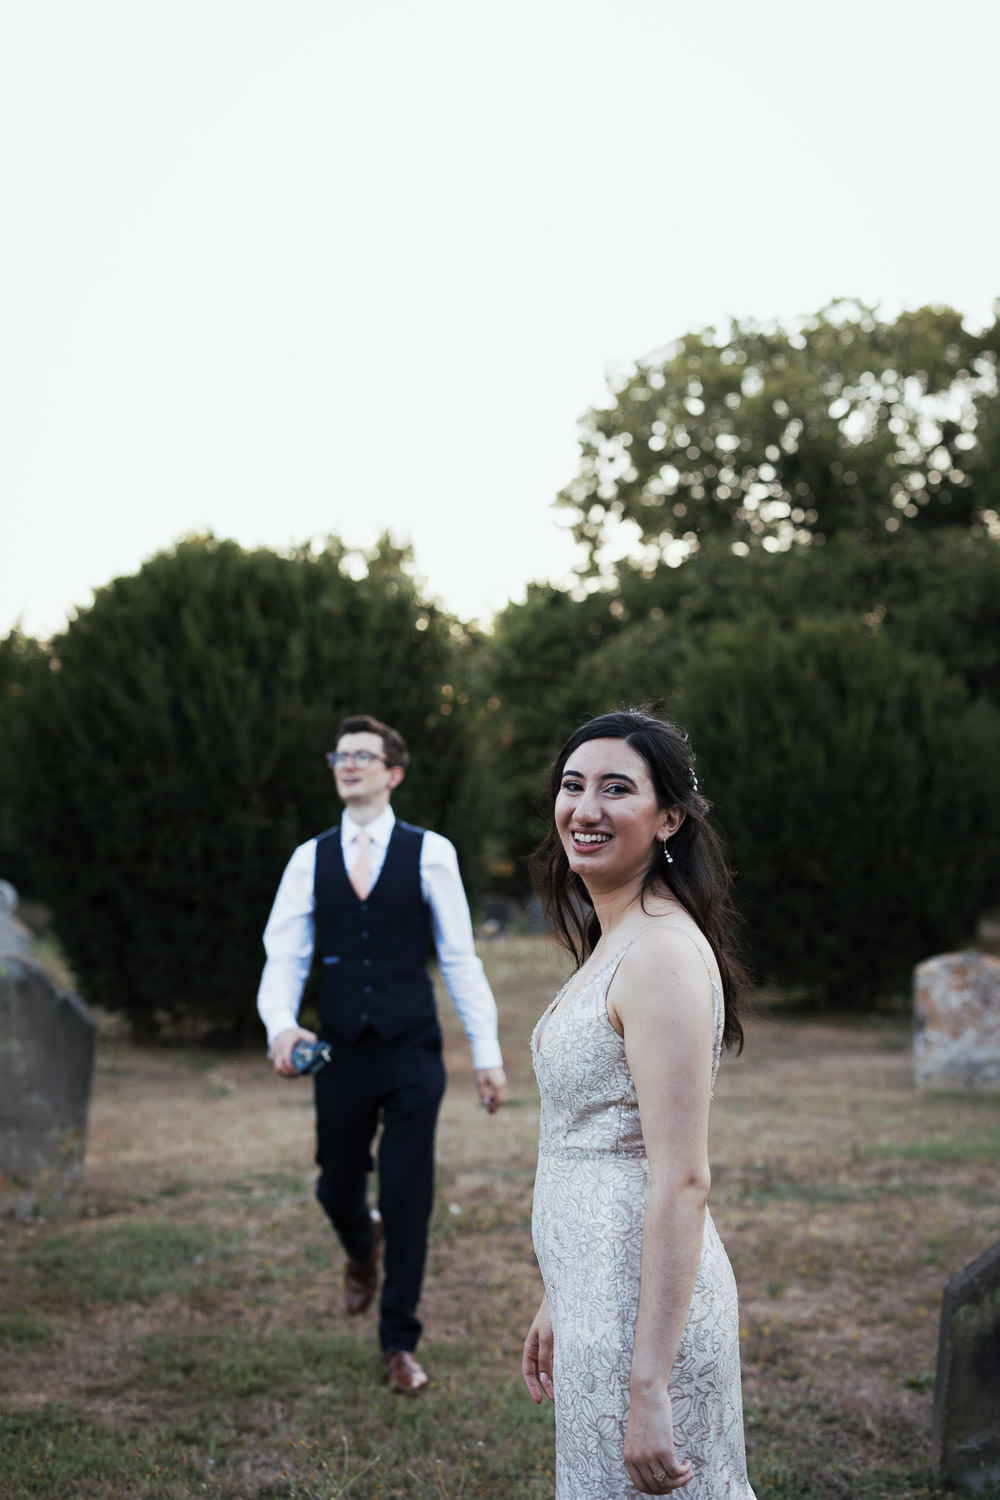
(956, 1019)
(47, 1045)
(966, 1432)
(14, 936)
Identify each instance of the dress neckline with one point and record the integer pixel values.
(564, 1001)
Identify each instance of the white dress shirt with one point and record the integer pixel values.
(290, 933)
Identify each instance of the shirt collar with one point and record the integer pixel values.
(379, 830)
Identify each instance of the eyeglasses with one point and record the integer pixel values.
(335, 758)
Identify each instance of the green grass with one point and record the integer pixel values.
(22, 1326)
(305, 1412)
(183, 1337)
(788, 1460)
(775, 1478)
(127, 1262)
(457, 1443)
(977, 1151)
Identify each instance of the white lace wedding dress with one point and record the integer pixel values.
(587, 1221)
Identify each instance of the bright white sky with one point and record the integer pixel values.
(280, 268)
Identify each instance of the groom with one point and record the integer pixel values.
(373, 896)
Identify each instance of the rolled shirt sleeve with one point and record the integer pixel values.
(288, 943)
(460, 965)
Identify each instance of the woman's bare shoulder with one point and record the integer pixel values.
(674, 944)
(665, 966)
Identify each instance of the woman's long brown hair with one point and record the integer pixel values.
(699, 877)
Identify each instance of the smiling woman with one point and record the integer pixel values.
(637, 1337)
(607, 813)
(647, 756)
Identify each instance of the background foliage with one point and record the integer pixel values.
(22, 660)
(555, 661)
(806, 527)
(857, 793)
(778, 437)
(171, 757)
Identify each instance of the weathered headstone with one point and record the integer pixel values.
(956, 1019)
(47, 1046)
(966, 1432)
(499, 914)
(14, 936)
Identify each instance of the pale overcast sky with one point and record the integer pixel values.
(277, 270)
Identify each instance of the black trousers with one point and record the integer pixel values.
(399, 1083)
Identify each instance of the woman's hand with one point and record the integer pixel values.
(652, 1464)
(536, 1361)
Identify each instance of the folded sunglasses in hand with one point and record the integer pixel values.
(309, 1057)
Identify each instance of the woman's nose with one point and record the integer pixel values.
(588, 808)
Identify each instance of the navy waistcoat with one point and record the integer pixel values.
(374, 952)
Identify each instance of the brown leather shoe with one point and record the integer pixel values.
(361, 1276)
(406, 1377)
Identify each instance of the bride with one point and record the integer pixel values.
(637, 1336)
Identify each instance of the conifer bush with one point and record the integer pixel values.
(554, 660)
(171, 757)
(856, 784)
(21, 659)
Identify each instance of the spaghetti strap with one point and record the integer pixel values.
(617, 960)
(669, 927)
(718, 998)
(697, 948)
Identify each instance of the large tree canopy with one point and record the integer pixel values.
(777, 436)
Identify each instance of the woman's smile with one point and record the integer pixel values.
(606, 811)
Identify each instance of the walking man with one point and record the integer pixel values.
(372, 896)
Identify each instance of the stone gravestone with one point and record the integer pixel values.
(14, 936)
(47, 1046)
(966, 1432)
(499, 914)
(956, 1018)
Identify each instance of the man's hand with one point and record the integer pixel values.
(281, 1049)
(492, 1086)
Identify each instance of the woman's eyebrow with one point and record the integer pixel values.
(604, 776)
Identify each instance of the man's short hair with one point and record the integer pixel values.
(393, 744)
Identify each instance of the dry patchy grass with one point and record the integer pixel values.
(192, 1316)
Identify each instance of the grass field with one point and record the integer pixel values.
(184, 1337)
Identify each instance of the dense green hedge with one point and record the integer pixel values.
(856, 784)
(22, 659)
(863, 661)
(552, 660)
(171, 757)
(161, 758)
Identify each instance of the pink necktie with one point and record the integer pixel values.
(361, 874)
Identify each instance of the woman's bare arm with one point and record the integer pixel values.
(661, 1001)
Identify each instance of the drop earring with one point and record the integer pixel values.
(666, 853)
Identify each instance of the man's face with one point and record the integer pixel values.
(364, 783)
